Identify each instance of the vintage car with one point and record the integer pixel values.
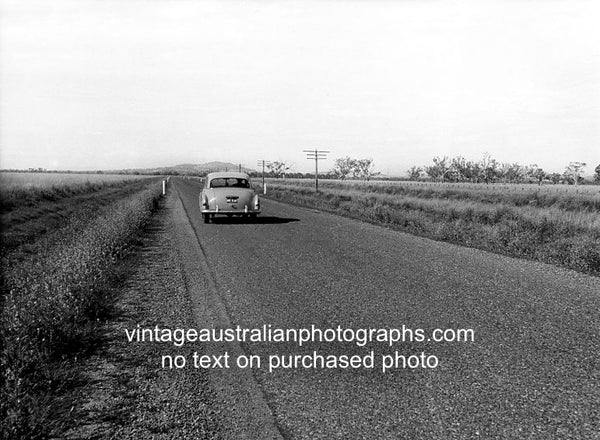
(228, 194)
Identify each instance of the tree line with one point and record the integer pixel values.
(445, 169)
(489, 170)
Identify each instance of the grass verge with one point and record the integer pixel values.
(51, 303)
(552, 229)
(121, 390)
(26, 225)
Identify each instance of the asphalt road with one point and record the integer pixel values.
(532, 371)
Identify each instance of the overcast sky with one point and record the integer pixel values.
(92, 84)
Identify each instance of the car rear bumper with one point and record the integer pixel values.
(229, 211)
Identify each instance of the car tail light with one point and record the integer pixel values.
(256, 203)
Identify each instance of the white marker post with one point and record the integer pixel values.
(264, 188)
(164, 184)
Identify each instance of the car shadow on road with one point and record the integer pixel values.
(260, 220)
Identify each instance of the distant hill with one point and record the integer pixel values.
(190, 168)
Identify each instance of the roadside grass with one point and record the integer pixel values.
(25, 225)
(120, 389)
(566, 197)
(561, 229)
(53, 297)
(29, 189)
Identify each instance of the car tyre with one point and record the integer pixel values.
(206, 218)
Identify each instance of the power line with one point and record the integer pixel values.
(316, 155)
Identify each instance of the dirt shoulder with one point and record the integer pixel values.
(121, 391)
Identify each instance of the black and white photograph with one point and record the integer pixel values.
(299, 219)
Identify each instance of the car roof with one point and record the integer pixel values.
(227, 175)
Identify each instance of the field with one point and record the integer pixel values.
(61, 236)
(394, 185)
(41, 180)
(18, 189)
(556, 224)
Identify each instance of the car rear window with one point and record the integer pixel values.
(231, 182)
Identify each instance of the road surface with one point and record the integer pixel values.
(531, 370)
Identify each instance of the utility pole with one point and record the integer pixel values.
(316, 155)
(262, 163)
